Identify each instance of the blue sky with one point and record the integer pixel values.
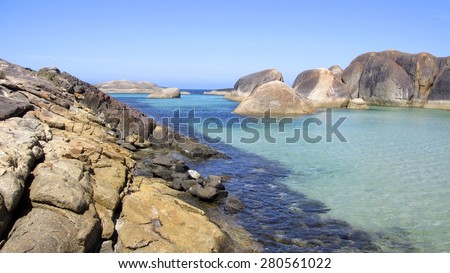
(210, 44)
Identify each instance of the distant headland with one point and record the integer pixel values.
(143, 87)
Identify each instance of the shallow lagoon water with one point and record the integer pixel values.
(388, 184)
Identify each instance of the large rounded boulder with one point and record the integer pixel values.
(351, 76)
(379, 80)
(322, 88)
(383, 81)
(277, 97)
(397, 78)
(245, 85)
(422, 69)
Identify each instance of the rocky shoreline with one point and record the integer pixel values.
(82, 172)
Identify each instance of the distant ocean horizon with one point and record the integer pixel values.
(384, 190)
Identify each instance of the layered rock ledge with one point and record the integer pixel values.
(69, 179)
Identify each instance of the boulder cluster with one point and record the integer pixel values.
(399, 79)
(177, 175)
(388, 78)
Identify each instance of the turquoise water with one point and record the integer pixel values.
(391, 179)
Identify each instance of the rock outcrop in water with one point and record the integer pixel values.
(68, 179)
(357, 104)
(388, 78)
(219, 92)
(124, 86)
(245, 85)
(395, 78)
(152, 89)
(166, 93)
(276, 97)
(322, 87)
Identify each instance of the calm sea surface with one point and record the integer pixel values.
(386, 189)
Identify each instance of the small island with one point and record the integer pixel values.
(219, 92)
(143, 87)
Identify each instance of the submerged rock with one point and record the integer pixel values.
(215, 182)
(233, 204)
(198, 151)
(178, 176)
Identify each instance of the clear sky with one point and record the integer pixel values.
(210, 44)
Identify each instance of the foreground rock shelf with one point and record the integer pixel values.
(67, 184)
